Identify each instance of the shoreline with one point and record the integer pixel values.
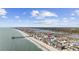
(38, 43)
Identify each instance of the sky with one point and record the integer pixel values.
(39, 17)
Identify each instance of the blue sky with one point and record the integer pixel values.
(39, 17)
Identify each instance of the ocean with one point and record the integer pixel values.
(18, 44)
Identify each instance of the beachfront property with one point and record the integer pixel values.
(58, 40)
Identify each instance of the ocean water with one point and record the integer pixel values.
(19, 44)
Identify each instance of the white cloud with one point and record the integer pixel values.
(64, 18)
(2, 12)
(35, 13)
(43, 14)
(47, 14)
(72, 17)
(72, 14)
(54, 22)
(17, 17)
(67, 19)
(64, 22)
(70, 22)
(51, 21)
(75, 13)
(5, 17)
(47, 22)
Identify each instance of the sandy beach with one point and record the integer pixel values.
(38, 43)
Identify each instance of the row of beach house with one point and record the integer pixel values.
(58, 40)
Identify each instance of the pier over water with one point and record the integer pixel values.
(20, 44)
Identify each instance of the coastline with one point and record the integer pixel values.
(38, 43)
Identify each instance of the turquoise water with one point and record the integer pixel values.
(9, 44)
